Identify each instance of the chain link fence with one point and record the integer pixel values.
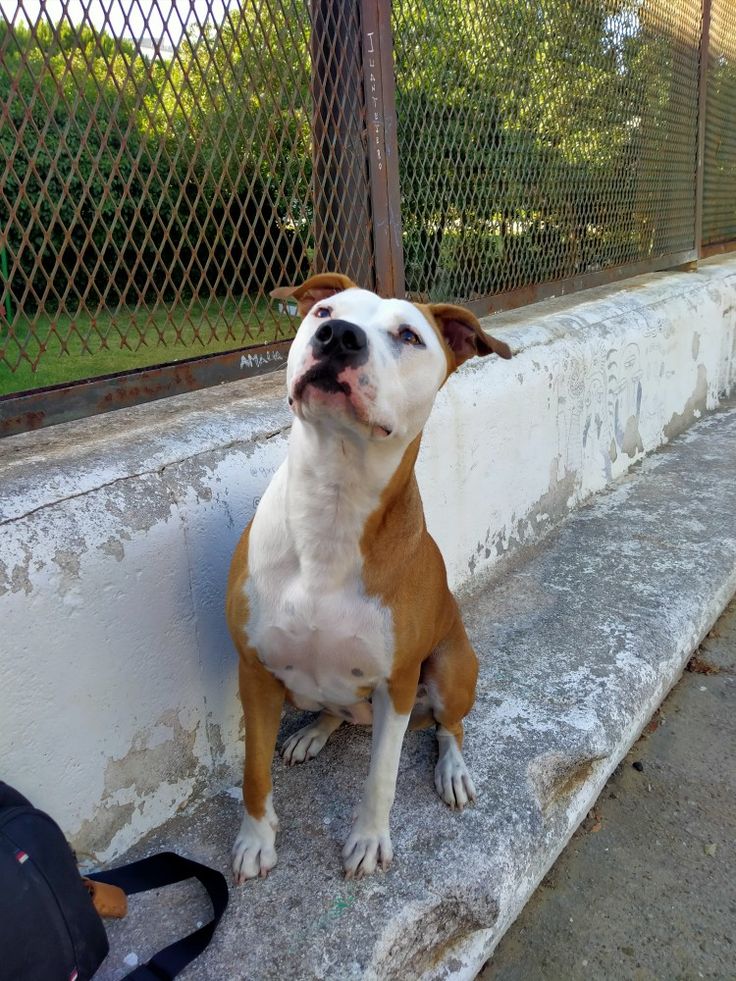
(543, 141)
(163, 167)
(156, 187)
(719, 178)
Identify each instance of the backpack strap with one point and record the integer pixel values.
(163, 870)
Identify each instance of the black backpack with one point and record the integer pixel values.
(49, 928)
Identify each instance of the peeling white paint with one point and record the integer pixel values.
(116, 534)
(623, 381)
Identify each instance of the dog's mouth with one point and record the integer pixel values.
(324, 378)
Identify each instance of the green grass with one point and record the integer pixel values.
(50, 349)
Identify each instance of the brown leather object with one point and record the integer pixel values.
(108, 900)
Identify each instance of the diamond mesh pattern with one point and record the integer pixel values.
(153, 191)
(540, 141)
(719, 178)
(163, 165)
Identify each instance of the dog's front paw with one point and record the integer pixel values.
(254, 853)
(365, 850)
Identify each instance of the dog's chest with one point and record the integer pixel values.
(328, 648)
(310, 620)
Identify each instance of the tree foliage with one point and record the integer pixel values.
(528, 133)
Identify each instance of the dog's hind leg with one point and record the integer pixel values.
(305, 743)
(450, 674)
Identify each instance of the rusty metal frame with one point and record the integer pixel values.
(717, 248)
(40, 407)
(495, 303)
(380, 103)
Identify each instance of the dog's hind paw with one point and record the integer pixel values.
(451, 777)
(304, 744)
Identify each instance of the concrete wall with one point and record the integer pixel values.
(598, 381)
(118, 699)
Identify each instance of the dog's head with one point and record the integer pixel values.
(373, 366)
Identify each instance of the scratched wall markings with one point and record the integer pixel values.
(374, 90)
(261, 359)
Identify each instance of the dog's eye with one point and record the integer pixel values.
(323, 312)
(408, 336)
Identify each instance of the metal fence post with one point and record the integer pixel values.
(380, 103)
(702, 108)
(341, 201)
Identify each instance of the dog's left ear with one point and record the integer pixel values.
(464, 335)
(316, 288)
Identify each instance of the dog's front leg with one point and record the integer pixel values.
(263, 699)
(369, 843)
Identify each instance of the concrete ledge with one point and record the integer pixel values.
(578, 644)
(117, 680)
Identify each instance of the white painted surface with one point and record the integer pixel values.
(511, 446)
(118, 695)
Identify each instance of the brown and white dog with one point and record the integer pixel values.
(338, 596)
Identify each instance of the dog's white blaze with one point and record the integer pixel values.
(310, 619)
(401, 382)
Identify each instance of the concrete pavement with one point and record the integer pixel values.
(646, 889)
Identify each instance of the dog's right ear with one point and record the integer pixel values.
(316, 288)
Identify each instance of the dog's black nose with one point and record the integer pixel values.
(341, 341)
